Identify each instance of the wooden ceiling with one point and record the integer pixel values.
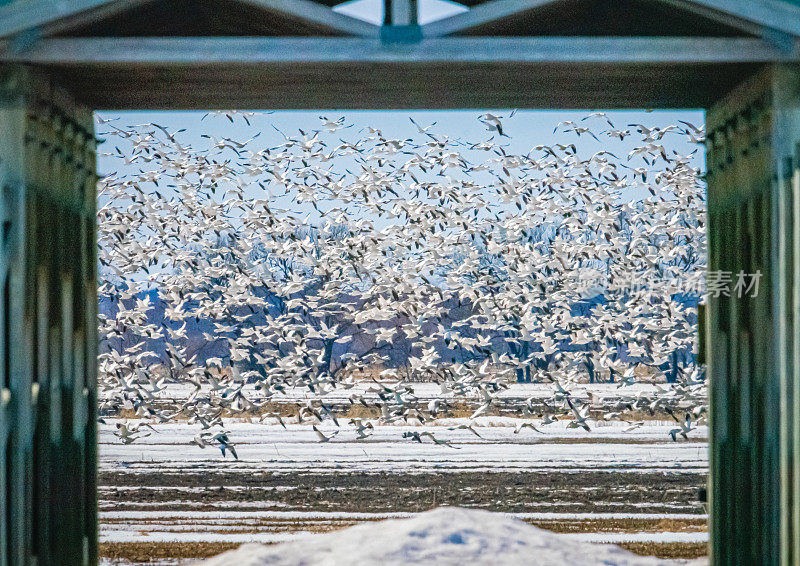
(301, 54)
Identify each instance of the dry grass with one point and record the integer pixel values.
(147, 551)
(622, 525)
(671, 550)
(253, 526)
(359, 411)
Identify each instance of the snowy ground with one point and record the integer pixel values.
(606, 485)
(446, 537)
(498, 448)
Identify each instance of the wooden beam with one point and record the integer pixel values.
(54, 16)
(406, 85)
(762, 18)
(211, 50)
(756, 22)
(487, 12)
(771, 14)
(21, 16)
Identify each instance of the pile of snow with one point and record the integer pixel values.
(444, 537)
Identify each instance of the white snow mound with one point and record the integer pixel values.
(445, 536)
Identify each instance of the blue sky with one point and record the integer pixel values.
(372, 10)
(527, 128)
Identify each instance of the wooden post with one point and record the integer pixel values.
(48, 331)
(752, 339)
(400, 22)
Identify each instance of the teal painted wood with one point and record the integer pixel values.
(744, 468)
(787, 135)
(753, 184)
(48, 364)
(793, 387)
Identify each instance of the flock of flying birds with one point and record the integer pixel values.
(254, 271)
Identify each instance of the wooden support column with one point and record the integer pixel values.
(786, 254)
(401, 22)
(753, 343)
(48, 331)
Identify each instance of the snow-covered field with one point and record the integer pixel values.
(607, 485)
(270, 446)
(445, 537)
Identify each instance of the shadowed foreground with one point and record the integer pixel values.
(446, 536)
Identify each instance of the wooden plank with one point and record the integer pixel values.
(383, 86)
(20, 16)
(240, 50)
(51, 16)
(53, 333)
(82, 18)
(772, 14)
(711, 12)
(16, 363)
(794, 344)
(739, 171)
(783, 288)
